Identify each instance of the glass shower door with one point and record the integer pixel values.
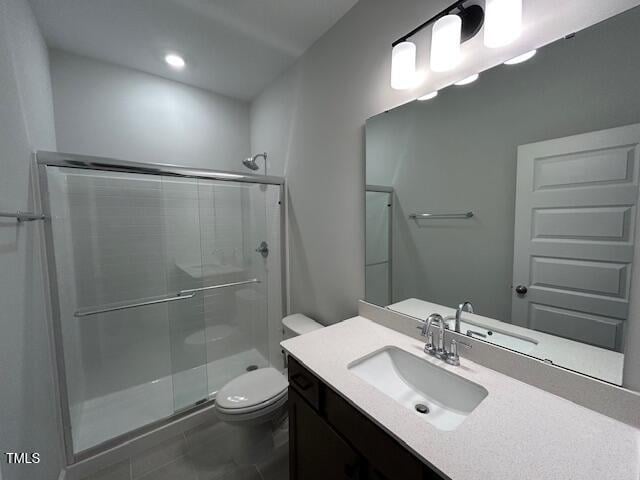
(181, 216)
(115, 245)
(234, 270)
(161, 292)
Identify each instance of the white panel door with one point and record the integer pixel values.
(576, 200)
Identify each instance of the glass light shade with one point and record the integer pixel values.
(445, 43)
(468, 80)
(521, 58)
(502, 22)
(428, 96)
(403, 66)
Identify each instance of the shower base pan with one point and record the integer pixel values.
(102, 419)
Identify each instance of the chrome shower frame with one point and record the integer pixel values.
(44, 159)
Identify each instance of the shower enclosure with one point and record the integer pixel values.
(166, 283)
(379, 244)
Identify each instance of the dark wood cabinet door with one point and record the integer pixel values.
(316, 450)
(305, 383)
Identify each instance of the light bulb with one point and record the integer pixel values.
(403, 66)
(445, 43)
(502, 23)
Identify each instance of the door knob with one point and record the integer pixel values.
(521, 290)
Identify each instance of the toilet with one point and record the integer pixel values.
(256, 400)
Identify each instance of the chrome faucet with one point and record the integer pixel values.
(440, 351)
(426, 332)
(463, 307)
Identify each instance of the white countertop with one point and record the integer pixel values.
(518, 432)
(596, 362)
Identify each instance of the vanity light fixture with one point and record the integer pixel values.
(521, 58)
(503, 22)
(452, 26)
(175, 61)
(468, 80)
(403, 66)
(428, 96)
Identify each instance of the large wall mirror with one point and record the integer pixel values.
(519, 194)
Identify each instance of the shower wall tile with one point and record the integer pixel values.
(115, 226)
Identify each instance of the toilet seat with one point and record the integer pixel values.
(252, 395)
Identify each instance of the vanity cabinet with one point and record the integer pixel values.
(330, 439)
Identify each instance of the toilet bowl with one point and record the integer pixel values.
(254, 401)
(251, 403)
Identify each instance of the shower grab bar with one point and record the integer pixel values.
(182, 295)
(426, 216)
(23, 216)
(115, 308)
(215, 287)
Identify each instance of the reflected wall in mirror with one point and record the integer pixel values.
(519, 194)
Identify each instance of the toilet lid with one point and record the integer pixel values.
(252, 388)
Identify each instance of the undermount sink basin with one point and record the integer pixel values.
(431, 392)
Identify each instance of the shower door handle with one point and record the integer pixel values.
(146, 303)
(263, 249)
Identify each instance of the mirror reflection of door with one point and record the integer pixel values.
(575, 216)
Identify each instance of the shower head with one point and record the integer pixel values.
(251, 162)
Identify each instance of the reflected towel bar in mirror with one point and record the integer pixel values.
(23, 216)
(425, 216)
(182, 295)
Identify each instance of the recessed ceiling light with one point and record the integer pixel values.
(175, 61)
(428, 96)
(468, 80)
(521, 58)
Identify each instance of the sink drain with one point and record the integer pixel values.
(251, 368)
(422, 408)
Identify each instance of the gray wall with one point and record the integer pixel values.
(28, 412)
(311, 122)
(458, 152)
(108, 110)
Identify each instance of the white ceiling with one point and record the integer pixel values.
(233, 47)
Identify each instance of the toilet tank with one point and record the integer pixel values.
(298, 324)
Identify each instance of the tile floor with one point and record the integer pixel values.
(203, 453)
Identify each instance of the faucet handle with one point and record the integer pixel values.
(429, 347)
(453, 358)
(423, 327)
